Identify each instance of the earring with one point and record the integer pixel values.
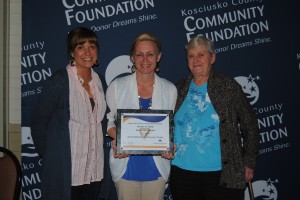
(97, 62)
(133, 68)
(157, 68)
(72, 63)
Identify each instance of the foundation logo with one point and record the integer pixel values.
(263, 190)
(119, 66)
(249, 86)
(28, 148)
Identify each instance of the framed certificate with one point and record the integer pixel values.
(144, 131)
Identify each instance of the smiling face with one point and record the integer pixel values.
(85, 55)
(145, 56)
(200, 60)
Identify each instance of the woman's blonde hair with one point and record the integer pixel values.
(146, 37)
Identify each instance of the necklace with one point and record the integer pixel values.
(145, 101)
(149, 104)
(85, 84)
(82, 82)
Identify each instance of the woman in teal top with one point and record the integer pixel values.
(212, 118)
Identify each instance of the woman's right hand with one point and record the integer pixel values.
(118, 155)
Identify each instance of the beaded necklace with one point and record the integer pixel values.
(145, 100)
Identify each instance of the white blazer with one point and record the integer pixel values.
(122, 93)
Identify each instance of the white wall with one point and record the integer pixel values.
(2, 74)
(15, 44)
(10, 74)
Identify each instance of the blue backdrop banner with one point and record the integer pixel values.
(257, 43)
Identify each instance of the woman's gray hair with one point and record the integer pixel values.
(201, 39)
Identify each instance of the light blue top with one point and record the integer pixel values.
(197, 134)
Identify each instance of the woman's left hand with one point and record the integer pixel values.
(248, 174)
(169, 155)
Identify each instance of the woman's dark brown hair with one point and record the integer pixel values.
(80, 35)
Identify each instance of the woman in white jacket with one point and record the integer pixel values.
(140, 177)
